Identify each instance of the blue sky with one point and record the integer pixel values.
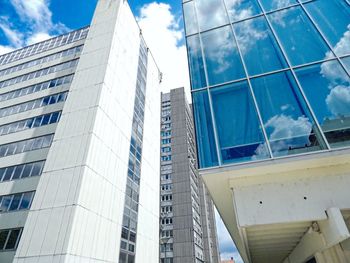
(24, 22)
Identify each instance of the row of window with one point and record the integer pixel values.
(290, 125)
(165, 177)
(127, 246)
(34, 104)
(130, 212)
(166, 158)
(34, 122)
(166, 221)
(166, 209)
(167, 233)
(167, 260)
(39, 73)
(37, 87)
(166, 149)
(166, 141)
(9, 238)
(166, 126)
(168, 247)
(44, 46)
(16, 202)
(164, 119)
(290, 32)
(26, 145)
(41, 60)
(165, 133)
(167, 197)
(166, 187)
(21, 171)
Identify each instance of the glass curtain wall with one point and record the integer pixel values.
(269, 78)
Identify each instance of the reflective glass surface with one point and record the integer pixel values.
(241, 9)
(346, 62)
(255, 40)
(327, 87)
(288, 124)
(299, 37)
(195, 61)
(204, 129)
(276, 4)
(211, 13)
(221, 55)
(190, 18)
(237, 124)
(337, 32)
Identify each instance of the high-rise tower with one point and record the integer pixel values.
(271, 86)
(79, 155)
(187, 223)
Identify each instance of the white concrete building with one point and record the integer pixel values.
(79, 154)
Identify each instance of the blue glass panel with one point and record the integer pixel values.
(258, 46)
(327, 88)
(346, 62)
(190, 18)
(269, 5)
(239, 132)
(204, 130)
(242, 9)
(333, 19)
(195, 62)
(288, 124)
(211, 13)
(221, 55)
(300, 39)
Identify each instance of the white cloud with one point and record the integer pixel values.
(34, 11)
(338, 100)
(163, 36)
(37, 37)
(13, 36)
(36, 19)
(5, 49)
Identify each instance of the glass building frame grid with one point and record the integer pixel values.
(290, 68)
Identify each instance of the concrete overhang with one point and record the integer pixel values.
(222, 182)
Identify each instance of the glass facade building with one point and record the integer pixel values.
(269, 78)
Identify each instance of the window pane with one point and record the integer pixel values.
(11, 242)
(258, 46)
(6, 200)
(3, 237)
(26, 201)
(27, 170)
(217, 13)
(47, 141)
(276, 4)
(196, 62)
(337, 31)
(15, 202)
(205, 134)
(288, 124)
(18, 172)
(327, 87)
(242, 9)
(37, 168)
(190, 18)
(239, 131)
(221, 55)
(299, 37)
(346, 62)
(8, 173)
